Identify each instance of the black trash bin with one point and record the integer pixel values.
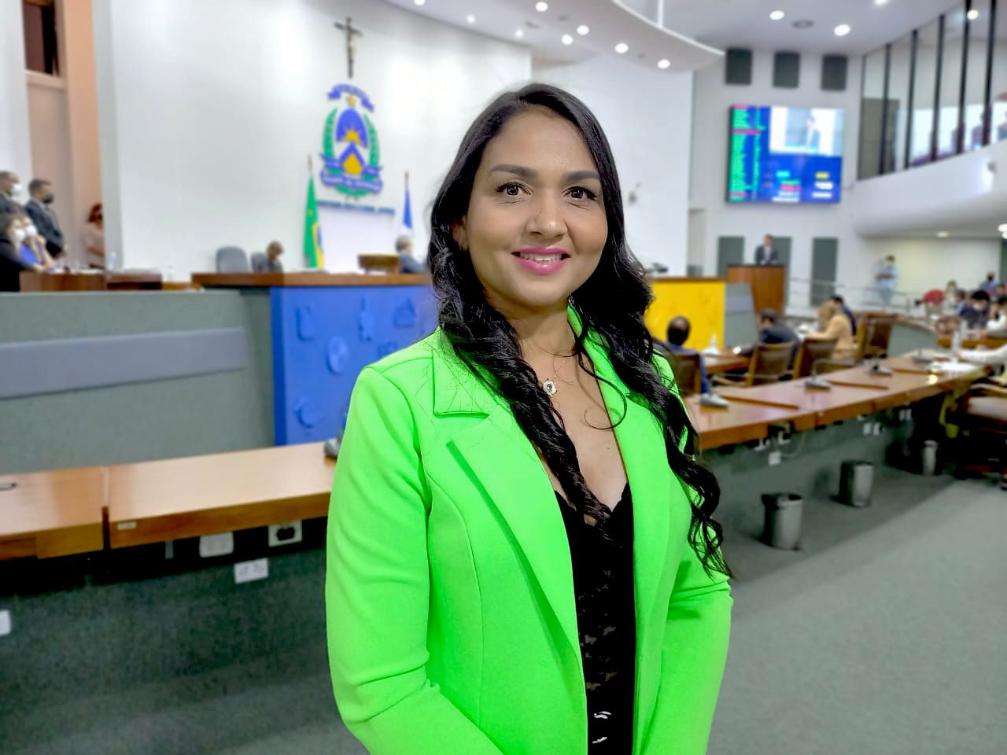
(783, 520)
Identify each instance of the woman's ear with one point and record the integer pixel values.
(460, 234)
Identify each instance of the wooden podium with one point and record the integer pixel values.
(768, 282)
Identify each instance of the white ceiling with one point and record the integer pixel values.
(746, 23)
(687, 32)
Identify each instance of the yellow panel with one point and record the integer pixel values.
(700, 301)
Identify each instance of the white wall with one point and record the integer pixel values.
(858, 256)
(646, 116)
(15, 139)
(208, 111)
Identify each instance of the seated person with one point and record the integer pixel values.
(996, 325)
(991, 357)
(846, 311)
(975, 310)
(678, 334)
(270, 261)
(833, 323)
(11, 264)
(773, 330)
(407, 262)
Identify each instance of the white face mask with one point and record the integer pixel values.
(15, 190)
(31, 230)
(19, 235)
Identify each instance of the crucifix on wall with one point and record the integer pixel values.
(351, 47)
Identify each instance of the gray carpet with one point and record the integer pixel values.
(883, 635)
(888, 642)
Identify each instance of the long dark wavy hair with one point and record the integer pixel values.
(611, 304)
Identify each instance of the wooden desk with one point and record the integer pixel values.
(55, 513)
(768, 282)
(716, 365)
(93, 280)
(156, 501)
(973, 342)
(737, 423)
(309, 278)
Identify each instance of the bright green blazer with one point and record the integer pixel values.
(451, 616)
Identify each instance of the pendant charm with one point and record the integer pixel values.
(549, 387)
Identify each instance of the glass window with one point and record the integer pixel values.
(975, 73)
(951, 82)
(923, 94)
(898, 103)
(871, 109)
(998, 92)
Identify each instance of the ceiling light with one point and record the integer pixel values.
(419, 2)
(663, 63)
(583, 30)
(942, 234)
(777, 15)
(541, 7)
(566, 39)
(881, 2)
(972, 14)
(622, 48)
(519, 34)
(470, 18)
(842, 30)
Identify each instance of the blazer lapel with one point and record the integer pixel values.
(502, 463)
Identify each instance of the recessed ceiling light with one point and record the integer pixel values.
(541, 7)
(470, 18)
(842, 30)
(519, 33)
(972, 14)
(881, 2)
(419, 2)
(942, 234)
(777, 15)
(583, 30)
(803, 23)
(566, 39)
(663, 63)
(622, 48)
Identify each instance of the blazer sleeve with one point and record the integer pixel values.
(693, 655)
(377, 587)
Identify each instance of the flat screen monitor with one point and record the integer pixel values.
(785, 155)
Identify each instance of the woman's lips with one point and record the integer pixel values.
(541, 261)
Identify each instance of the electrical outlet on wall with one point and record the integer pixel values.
(216, 545)
(250, 571)
(287, 533)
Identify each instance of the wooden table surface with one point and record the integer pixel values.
(737, 423)
(90, 280)
(716, 364)
(309, 278)
(55, 513)
(974, 342)
(164, 500)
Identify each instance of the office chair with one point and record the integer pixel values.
(770, 363)
(232, 259)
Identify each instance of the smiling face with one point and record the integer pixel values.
(536, 225)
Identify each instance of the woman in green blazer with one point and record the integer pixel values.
(521, 552)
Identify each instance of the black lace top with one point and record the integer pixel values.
(602, 556)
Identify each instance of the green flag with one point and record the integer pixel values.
(313, 254)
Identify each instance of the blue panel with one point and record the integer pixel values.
(324, 337)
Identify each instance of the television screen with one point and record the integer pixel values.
(785, 154)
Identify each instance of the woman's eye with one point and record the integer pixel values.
(510, 190)
(579, 192)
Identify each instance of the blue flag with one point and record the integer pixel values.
(407, 212)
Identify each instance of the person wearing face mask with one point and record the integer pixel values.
(32, 248)
(10, 187)
(39, 209)
(11, 264)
